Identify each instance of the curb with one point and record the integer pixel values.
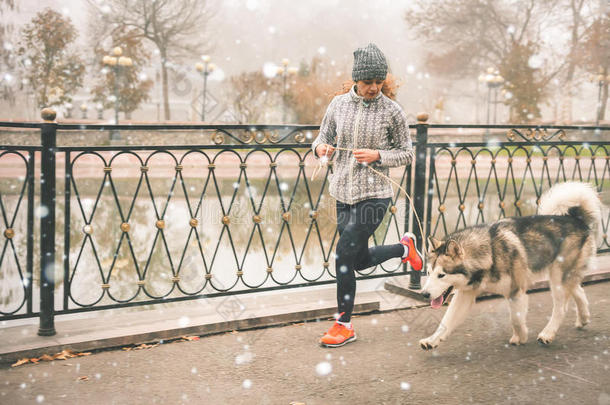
(119, 340)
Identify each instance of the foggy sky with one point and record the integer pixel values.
(246, 34)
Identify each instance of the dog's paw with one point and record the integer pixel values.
(515, 340)
(519, 337)
(582, 322)
(428, 343)
(545, 338)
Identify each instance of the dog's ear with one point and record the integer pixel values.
(453, 248)
(433, 243)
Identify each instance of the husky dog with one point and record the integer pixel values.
(503, 258)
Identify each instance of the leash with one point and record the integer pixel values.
(323, 161)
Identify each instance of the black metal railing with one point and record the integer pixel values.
(239, 212)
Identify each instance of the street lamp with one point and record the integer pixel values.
(205, 69)
(601, 80)
(69, 107)
(285, 71)
(493, 80)
(116, 62)
(100, 111)
(83, 108)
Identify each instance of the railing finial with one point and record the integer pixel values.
(422, 118)
(48, 114)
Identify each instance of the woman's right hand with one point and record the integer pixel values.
(324, 149)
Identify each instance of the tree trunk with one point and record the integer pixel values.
(165, 92)
(604, 102)
(568, 88)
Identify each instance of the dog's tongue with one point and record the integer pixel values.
(437, 302)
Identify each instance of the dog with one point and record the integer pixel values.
(504, 257)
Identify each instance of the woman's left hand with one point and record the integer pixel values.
(366, 155)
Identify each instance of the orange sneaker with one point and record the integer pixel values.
(414, 257)
(338, 335)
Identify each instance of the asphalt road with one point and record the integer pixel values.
(385, 365)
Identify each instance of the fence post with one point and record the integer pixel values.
(419, 190)
(47, 223)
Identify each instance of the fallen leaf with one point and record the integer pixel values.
(190, 338)
(46, 357)
(20, 362)
(84, 354)
(34, 360)
(145, 346)
(83, 378)
(66, 353)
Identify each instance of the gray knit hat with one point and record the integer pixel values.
(369, 63)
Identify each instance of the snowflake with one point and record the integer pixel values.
(323, 368)
(535, 61)
(184, 321)
(252, 4)
(269, 70)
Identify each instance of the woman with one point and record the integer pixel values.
(374, 130)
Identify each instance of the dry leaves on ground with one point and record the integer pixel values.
(140, 347)
(189, 338)
(63, 355)
(150, 346)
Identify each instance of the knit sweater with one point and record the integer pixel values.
(353, 123)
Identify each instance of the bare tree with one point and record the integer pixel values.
(577, 15)
(251, 96)
(594, 56)
(176, 28)
(468, 35)
(312, 89)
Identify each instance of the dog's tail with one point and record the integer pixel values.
(579, 200)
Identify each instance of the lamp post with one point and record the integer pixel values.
(69, 107)
(285, 71)
(83, 109)
(204, 69)
(116, 62)
(601, 80)
(493, 80)
(100, 111)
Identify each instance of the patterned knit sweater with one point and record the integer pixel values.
(353, 123)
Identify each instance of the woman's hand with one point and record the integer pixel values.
(324, 149)
(366, 155)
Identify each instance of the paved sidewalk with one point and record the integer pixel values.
(282, 365)
(116, 328)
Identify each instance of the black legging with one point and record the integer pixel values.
(356, 223)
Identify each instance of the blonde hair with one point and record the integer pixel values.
(390, 87)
